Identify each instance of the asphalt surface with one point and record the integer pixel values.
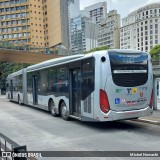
(154, 118)
(41, 132)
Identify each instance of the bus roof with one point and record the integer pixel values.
(53, 62)
(126, 51)
(67, 59)
(72, 58)
(15, 73)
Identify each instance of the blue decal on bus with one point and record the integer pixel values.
(117, 101)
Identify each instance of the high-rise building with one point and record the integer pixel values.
(97, 11)
(40, 23)
(83, 34)
(74, 9)
(109, 30)
(85, 13)
(141, 29)
(56, 23)
(16, 25)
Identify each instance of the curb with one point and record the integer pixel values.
(148, 121)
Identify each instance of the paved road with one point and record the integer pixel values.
(158, 103)
(41, 132)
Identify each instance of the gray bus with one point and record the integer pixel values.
(100, 86)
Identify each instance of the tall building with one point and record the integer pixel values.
(83, 34)
(16, 25)
(109, 30)
(56, 23)
(84, 13)
(74, 9)
(40, 23)
(97, 11)
(141, 29)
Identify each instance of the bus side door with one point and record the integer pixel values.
(35, 97)
(87, 88)
(11, 88)
(75, 92)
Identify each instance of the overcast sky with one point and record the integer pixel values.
(124, 7)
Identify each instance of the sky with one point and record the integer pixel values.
(124, 7)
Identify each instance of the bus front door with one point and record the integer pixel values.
(75, 92)
(35, 97)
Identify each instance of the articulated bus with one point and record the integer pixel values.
(101, 86)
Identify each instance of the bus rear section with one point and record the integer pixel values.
(126, 88)
(15, 87)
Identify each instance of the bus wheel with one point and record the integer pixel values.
(64, 111)
(52, 108)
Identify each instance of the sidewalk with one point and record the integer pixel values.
(154, 118)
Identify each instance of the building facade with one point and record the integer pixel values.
(74, 11)
(40, 23)
(97, 12)
(74, 8)
(56, 23)
(141, 29)
(109, 30)
(16, 25)
(83, 34)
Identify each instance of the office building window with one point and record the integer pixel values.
(156, 25)
(156, 36)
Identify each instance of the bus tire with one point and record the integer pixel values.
(52, 108)
(64, 111)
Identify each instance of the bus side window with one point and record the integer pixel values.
(7, 86)
(29, 82)
(87, 78)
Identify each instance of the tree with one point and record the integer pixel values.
(7, 68)
(97, 49)
(155, 52)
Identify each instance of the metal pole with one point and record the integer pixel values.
(154, 93)
(159, 89)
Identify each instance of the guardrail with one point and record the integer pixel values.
(9, 147)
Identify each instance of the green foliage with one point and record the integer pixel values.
(7, 68)
(97, 49)
(155, 52)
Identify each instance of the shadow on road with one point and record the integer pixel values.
(125, 125)
(122, 125)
